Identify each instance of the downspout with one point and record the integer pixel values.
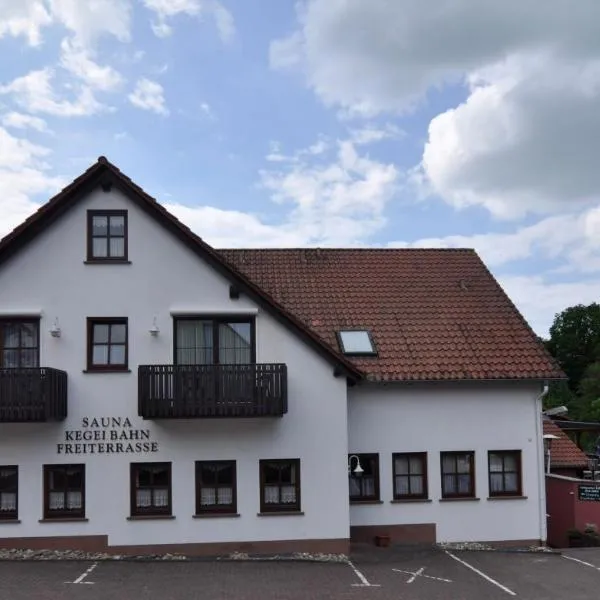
(541, 469)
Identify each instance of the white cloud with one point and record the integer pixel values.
(525, 140)
(18, 120)
(374, 133)
(207, 111)
(336, 201)
(23, 173)
(23, 17)
(384, 54)
(34, 92)
(540, 299)
(167, 9)
(90, 19)
(149, 95)
(77, 60)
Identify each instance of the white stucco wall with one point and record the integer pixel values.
(441, 417)
(50, 275)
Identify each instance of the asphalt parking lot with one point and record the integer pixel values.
(430, 574)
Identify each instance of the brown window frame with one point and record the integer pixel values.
(215, 508)
(107, 368)
(519, 473)
(280, 507)
(10, 515)
(64, 513)
(152, 511)
(20, 321)
(90, 237)
(363, 458)
(422, 456)
(217, 320)
(455, 473)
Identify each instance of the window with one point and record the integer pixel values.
(280, 485)
(19, 343)
(9, 489)
(214, 341)
(215, 487)
(364, 486)
(357, 342)
(107, 344)
(64, 491)
(458, 474)
(107, 235)
(410, 475)
(150, 489)
(505, 472)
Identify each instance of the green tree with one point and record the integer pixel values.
(589, 394)
(575, 341)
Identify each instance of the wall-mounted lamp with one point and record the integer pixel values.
(55, 329)
(358, 470)
(154, 330)
(548, 439)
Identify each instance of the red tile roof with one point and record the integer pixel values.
(564, 451)
(433, 314)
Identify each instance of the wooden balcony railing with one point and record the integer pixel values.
(205, 391)
(32, 395)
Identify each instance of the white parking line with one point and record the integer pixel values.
(582, 562)
(364, 582)
(481, 573)
(81, 578)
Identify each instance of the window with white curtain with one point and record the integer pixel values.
(19, 343)
(150, 489)
(280, 485)
(364, 486)
(458, 474)
(64, 491)
(215, 486)
(504, 472)
(107, 235)
(410, 475)
(214, 341)
(9, 490)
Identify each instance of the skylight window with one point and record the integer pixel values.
(356, 342)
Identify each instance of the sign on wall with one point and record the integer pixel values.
(106, 435)
(589, 492)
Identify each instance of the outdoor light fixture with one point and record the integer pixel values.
(358, 470)
(55, 329)
(548, 437)
(154, 330)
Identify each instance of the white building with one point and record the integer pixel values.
(159, 395)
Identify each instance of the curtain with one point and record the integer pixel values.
(271, 494)
(8, 501)
(74, 500)
(235, 344)
(143, 498)
(161, 497)
(288, 494)
(57, 501)
(402, 485)
(194, 342)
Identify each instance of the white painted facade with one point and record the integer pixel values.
(439, 417)
(49, 277)
(325, 422)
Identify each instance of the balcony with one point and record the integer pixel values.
(32, 395)
(209, 391)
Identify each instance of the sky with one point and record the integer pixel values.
(332, 123)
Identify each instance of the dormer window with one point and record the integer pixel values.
(107, 236)
(356, 342)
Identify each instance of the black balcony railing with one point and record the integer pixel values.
(205, 391)
(32, 395)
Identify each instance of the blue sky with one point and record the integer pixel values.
(325, 122)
